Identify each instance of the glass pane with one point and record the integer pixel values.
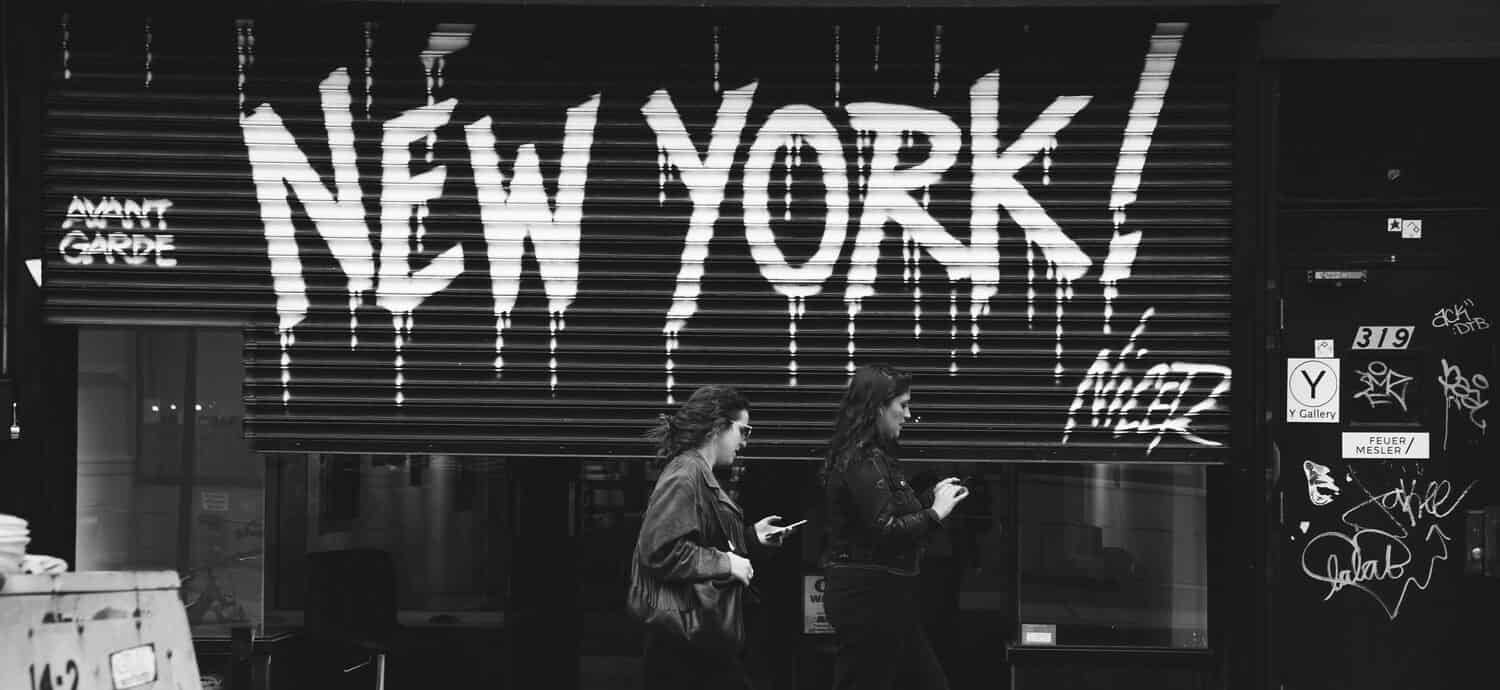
(1115, 554)
(150, 495)
(129, 436)
(442, 519)
(225, 585)
(612, 502)
(967, 572)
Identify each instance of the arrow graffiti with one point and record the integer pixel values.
(1376, 557)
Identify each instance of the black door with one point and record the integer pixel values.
(1378, 584)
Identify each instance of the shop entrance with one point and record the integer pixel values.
(1387, 470)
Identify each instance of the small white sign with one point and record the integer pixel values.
(215, 501)
(1382, 337)
(1411, 229)
(1323, 349)
(814, 618)
(1386, 445)
(134, 667)
(1038, 633)
(1393, 225)
(1312, 390)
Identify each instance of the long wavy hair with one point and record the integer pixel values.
(872, 387)
(711, 409)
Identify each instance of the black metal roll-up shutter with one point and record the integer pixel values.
(528, 232)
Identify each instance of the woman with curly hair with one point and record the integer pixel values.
(877, 530)
(694, 533)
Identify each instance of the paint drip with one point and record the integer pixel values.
(148, 52)
(796, 309)
(937, 57)
(836, 76)
(284, 334)
(369, 51)
(67, 55)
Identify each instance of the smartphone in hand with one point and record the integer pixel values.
(788, 528)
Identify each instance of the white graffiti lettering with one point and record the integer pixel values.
(1458, 318)
(1321, 488)
(280, 170)
(509, 216)
(1115, 395)
(516, 207)
(127, 214)
(705, 176)
(1465, 394)
(1145, 108)
(1383, 385)
(81, 248)
(1376, 561)
(403, 208)
(520, 210)
(792, 129)
(133, 249)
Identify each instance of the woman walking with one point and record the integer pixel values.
(877, 529)
(693, 533)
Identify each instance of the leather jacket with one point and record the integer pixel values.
(691, 524)
(875, 519)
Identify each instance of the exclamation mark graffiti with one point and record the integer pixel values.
(1145, 108)
(66, 40)
(369, 35)
(876, 59)
(148, 52)
(717, 88)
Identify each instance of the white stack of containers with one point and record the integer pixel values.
(14, 536)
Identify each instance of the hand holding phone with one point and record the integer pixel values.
(787, 528)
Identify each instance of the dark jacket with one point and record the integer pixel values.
(876, 520)
(689, 525)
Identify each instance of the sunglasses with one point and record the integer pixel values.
(745, 429)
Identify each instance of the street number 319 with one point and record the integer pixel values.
(1382, 337)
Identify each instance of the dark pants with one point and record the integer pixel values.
(671, 664)
(879, 642)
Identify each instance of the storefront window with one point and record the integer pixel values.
(1114, 555)
(165, 478)
(438, 522)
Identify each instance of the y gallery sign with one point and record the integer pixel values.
(1312, 390)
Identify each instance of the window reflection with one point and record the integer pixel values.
(165, 478)
(1115, 554)
(442, 519)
